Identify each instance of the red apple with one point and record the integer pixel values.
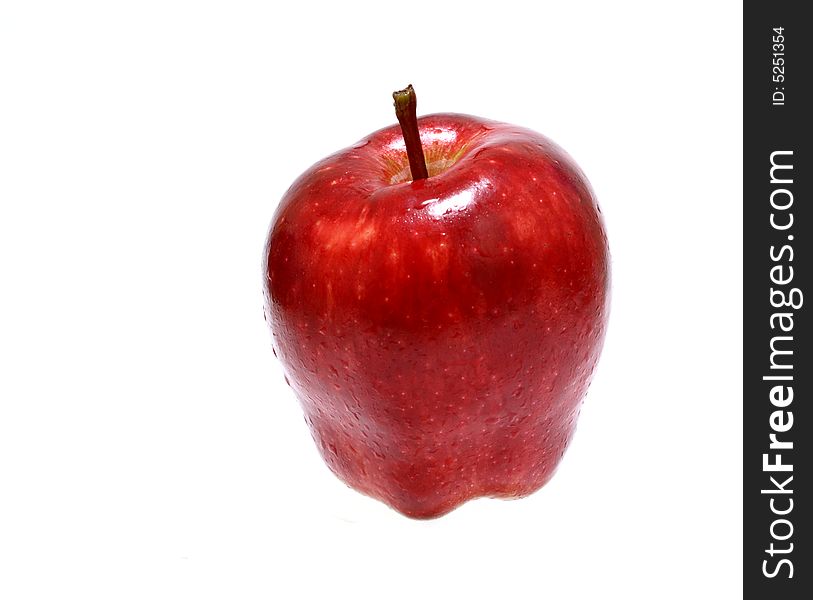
(440, 333)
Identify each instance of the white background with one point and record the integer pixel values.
(148, 445)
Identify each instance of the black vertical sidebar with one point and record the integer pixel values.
(778, 221)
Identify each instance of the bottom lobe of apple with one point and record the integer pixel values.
(433, 485)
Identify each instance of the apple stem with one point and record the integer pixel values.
(405, 104)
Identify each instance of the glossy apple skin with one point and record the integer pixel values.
(440, 334)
